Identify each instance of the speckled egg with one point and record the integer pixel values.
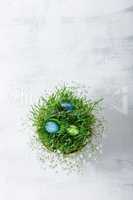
(68, 106)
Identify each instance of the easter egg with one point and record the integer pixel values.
(51, 127)
(68, 106)
(73, 130)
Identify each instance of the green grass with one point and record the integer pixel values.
(82, 117)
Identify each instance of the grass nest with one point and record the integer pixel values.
(65, 122)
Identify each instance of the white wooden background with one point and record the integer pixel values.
(43, 43)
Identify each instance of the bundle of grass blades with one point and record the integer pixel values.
(64, 122)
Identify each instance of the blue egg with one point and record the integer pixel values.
(51, 127)
(68, 106)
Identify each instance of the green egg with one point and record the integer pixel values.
(73, 130)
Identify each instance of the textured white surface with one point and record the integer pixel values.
(42, 43)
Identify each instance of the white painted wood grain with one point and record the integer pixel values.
(43, 43)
